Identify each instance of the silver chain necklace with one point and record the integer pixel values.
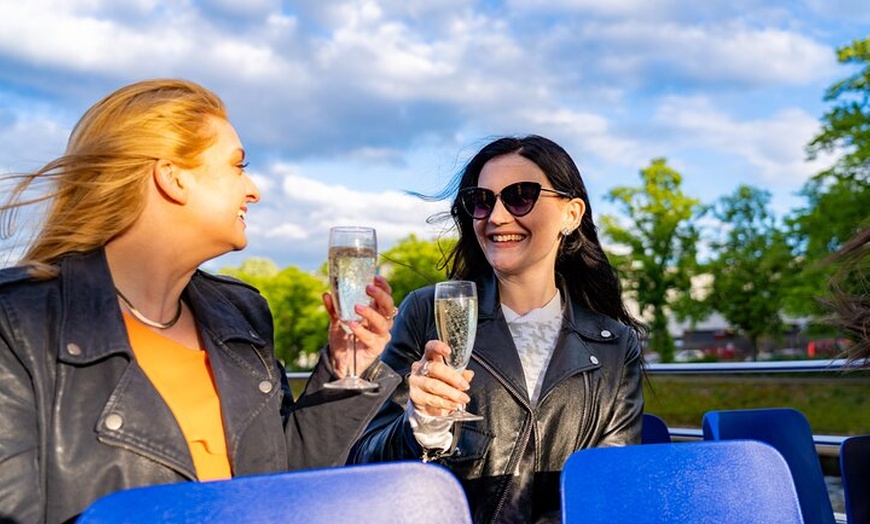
(145, 320)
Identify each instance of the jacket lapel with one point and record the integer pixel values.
(573, 355)
(245, 373)
(135, 417)
(494, 345)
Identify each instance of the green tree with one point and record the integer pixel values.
(414, 263)
(294, 297)
(752, 265)
(846, 126)
(661, 240)
(838, 197)
(301, 322)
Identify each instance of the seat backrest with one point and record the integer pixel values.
(410, 492)
(788, 431)
(654, 430)
(855, 471)
(735, 481)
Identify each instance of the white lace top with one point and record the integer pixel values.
(535, 335)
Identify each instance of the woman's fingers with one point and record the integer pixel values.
(436, 353)
(382, 299)
(373, 320)
(329, 304)
(435, 386)
(383, 284)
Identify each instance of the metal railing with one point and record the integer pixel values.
(773, 366)
(826, 445)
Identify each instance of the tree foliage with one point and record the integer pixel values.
(294, 296)
(414, 263)
(661, 240)
(838, 198)
(846, 126)
(752, 265)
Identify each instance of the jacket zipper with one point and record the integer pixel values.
(525, 440)
(585, 409)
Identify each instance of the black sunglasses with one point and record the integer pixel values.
(518, 198)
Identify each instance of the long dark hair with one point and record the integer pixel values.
(580, 262)
(849, 298)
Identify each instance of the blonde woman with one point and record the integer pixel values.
(121, 363)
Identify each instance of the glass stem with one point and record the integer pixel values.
(353, 355)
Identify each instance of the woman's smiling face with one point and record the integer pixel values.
(222, 191)
(516, 246)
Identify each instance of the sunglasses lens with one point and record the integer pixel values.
(520, 198)
(478, 202)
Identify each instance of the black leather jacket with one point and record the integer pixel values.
(79, 419)
(509, 463)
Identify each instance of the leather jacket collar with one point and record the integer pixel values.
(571, 357)
(88, 293)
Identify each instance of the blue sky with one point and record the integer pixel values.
(344, 106)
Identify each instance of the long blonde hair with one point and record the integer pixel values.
(96, 189)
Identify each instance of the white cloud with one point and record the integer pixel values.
(728, 53)
(620, 8)
(773, 146)
(350, 98)
(584, 135)
(293, 220)
(28, 139)
(286, 232)
(854, 11)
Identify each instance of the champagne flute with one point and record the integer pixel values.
(456, 322)
(352, 262)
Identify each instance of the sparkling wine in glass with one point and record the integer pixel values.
(456, 322)
(352, 263)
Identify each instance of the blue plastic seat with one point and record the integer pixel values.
(788, 431)
(855, 471)
(745, 482)
(410, 492)
(654, 430)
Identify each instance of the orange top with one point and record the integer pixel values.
(183, 378)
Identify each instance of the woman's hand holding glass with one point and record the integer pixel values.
(372, 332)
(436, 389)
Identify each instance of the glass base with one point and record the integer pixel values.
(352, 383)
(461, 416)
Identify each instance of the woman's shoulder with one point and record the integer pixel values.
(223, 297)
(416, 306)
(212, 287)
(14, 274)
(20, 277)
(599, 326)
(422, 296)
(224, 282)
(422, 293)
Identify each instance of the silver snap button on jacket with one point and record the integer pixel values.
(114, 422)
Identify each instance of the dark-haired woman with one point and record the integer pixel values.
(556, 366)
